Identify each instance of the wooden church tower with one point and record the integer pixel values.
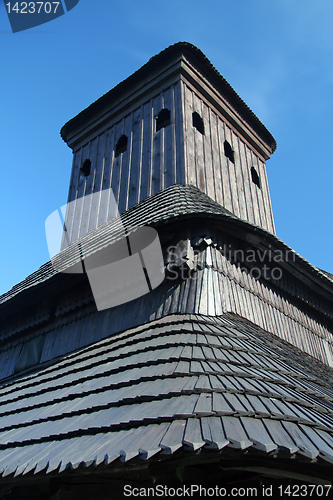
(175, 121)
(224, 370)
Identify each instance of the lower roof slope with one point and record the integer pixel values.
(181, 383)
(176, 202)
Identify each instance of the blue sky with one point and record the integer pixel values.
(276, 54)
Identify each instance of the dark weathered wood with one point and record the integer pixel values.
(173, 438)
(136, 158)
(258, 434)
(235, 433)
(170, 142)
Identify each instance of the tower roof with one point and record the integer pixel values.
(177, 52)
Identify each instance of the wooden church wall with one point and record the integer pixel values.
(208, 168)
(284, 307)
(175, 154)
(152, 161)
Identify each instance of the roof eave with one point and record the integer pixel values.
(157, 65)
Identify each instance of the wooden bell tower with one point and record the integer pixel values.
(175, 121)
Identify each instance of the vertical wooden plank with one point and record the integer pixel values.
(8, 361)
(194, 293)
(216, 163)
(264, 294)
(136, 161)
(217, 277)
(262, 211)
(169, 143)
(189, 134)
(242, 306)
(252, 314)
(239, 178)
(186, 288)
(261, 312)
(273, 299)
(77, 157)
(253, 189)
(223, 292)
(179, 130)
(79, 198)
(229, 169)
(208, 152)
(199, 147)
(116, 163)
(237, 301)
(280, 324)
(158, 153)
(226, 189)
(246, 180)
(257, 304)
(147, 151)
(228, 294)
(126, 157)
(97, 186)
(167, 304)
(202, 306)
(106, 175)
(266, 196)
(70, 210)
(89, 182)
(177, 295)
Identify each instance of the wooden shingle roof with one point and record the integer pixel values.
(183, 382)
(200, 61)
(174, 203)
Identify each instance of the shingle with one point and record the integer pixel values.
(152, 438)
(280, 436)
(318, 438)
(257, 404)
(173, 438)
(221, 405)
(108, 386)
(235, 433)
(305, 445)
(193, 435)
(258, 434)
(203, 406)
(213, 432)
(203, 384)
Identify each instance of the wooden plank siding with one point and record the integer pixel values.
(207, 167)
(217, 286)
(153, 160)
(177, 153)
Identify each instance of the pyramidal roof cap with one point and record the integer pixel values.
(200, 61)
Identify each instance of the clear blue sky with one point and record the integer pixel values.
(277, 54)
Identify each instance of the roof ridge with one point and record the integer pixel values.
(199, 59)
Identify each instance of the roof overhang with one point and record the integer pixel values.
(181, 61)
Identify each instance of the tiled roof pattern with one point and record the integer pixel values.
(177, 201)
(181, 382)
(199, 59)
